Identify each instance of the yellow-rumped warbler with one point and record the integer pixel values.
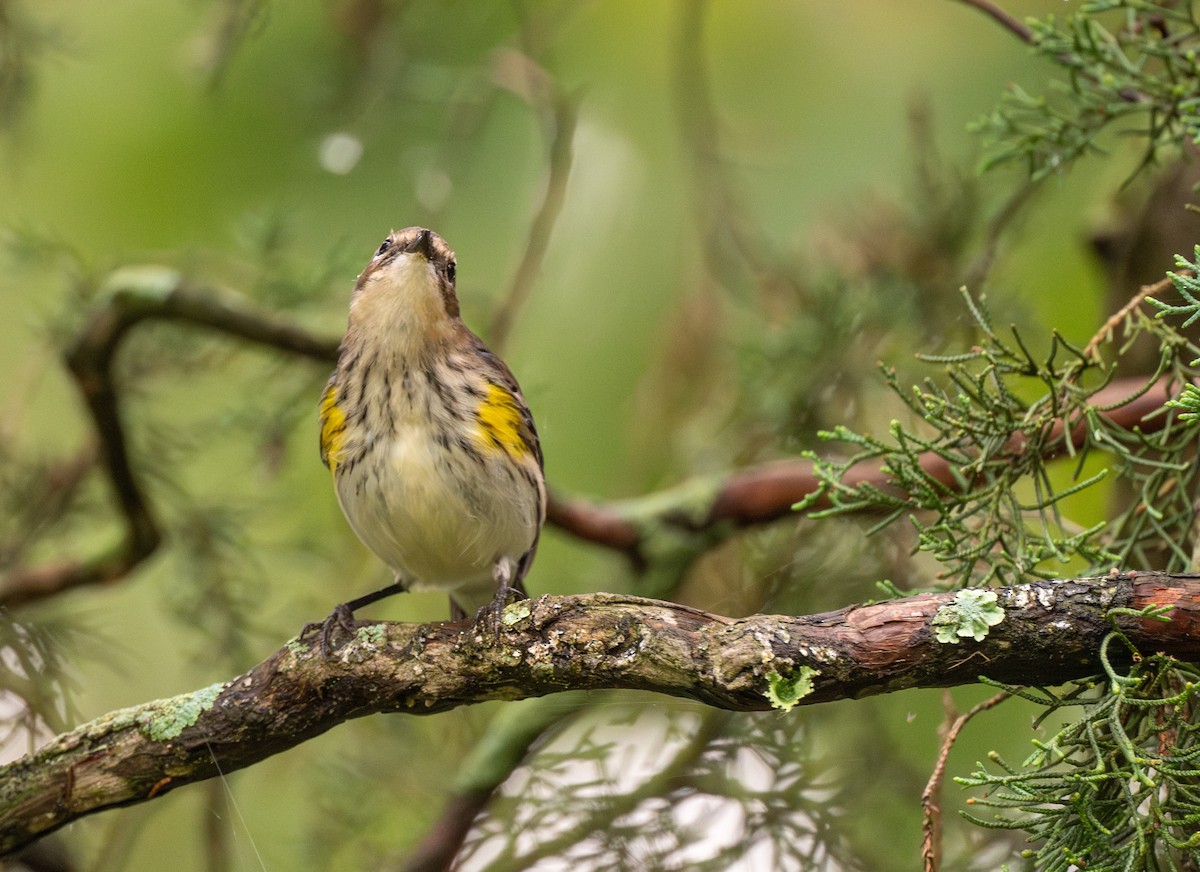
(435, 459)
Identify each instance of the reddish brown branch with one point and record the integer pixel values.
(444, 840)
(578, 643)
(766, 493)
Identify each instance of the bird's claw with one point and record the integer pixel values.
(340, 622)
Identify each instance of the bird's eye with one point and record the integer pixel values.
(387, 243)
(450, 271)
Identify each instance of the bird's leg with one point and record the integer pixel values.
(397, 586)
(342, 617)
(508, 588)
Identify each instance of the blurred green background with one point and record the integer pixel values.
(268, 148)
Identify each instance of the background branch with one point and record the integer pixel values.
(132, 296)
(768, 492)
(1003, 17)
(576, 643)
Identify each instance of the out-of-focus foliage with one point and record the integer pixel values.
(714, 220)
(640, 788)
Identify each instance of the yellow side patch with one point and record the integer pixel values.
(501, 422)
(333, 429)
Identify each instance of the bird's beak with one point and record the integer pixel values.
(423, 244)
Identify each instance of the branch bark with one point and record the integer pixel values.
(1051, 633)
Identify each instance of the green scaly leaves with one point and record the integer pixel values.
(1117, 787)
(1121, 63)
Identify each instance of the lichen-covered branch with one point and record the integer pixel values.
(1050, 632)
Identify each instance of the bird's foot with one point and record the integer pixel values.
(340, 622)
(507, 591)
(491, 616)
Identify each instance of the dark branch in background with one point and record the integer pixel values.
(510, 735)
(1010, 209)
(50, 499)
(555, 644)
(137, 296)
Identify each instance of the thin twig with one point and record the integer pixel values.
(990, 245)
(1104, 334)
(1005, 19)
(931, 826)
(560, 118)
(733, 249)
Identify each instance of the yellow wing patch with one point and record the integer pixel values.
(333, 428)
(501, 421)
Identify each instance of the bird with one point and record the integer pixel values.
(433, 452)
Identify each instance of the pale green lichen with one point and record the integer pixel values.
(168, 718)
(973, 613)
(783, 693)
(514, 613)
(371, 634)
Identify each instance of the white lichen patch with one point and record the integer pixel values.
(768, 648)
(824, 654)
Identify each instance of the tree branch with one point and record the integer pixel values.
(768, 492)
(1051, 633)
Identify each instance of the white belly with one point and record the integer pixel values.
(439, 517)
